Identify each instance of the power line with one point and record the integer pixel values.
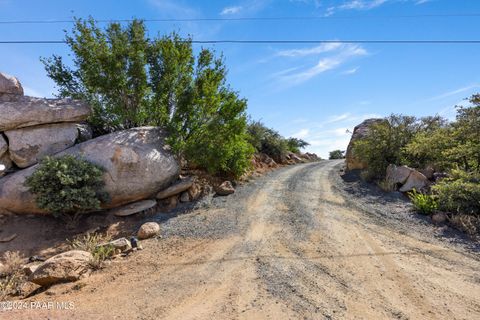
(278, 41)
(285, 18)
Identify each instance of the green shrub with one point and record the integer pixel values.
(270, 142)
(423, 203)
(67, 185)
(336, 154)
(133, 80)
(460, 193)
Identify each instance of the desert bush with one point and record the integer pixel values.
(466, 223)
(132, 80)
(67, 186)
(423, 203)
(270, 142)
(336, 154)
(90, 242)
(11, 275)
(459, 193)
(386, 185)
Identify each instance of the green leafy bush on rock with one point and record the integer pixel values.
(67, 185)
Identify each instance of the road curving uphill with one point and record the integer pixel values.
(286, 246)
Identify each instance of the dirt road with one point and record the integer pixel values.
(287, 246)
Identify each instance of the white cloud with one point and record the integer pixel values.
(231, 10)
(364, 5)
(455, 92)
(324, 47)
(303, 133)
(331, 134)
(342, 54)
(351, 71)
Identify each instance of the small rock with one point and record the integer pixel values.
(134, 208)
(225, 189)
(194, 192)
(27, 288)
(170, 203)
(185, 197)
(29, 269)
(121, 244)
(64, 267)
(439, 217)
(148, 230)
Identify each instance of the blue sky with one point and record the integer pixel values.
(314, 92)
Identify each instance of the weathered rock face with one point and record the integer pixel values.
(137, 165)
(10, 85)
(416, 181)
(29, 111)
(28, 145)
(359, 132)
(397, 174)
(5, 162)
(64, 267)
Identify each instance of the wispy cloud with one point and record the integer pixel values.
(231, 10)
(351, 71)
(455, 92)
(364, 5)
(340, 54)
(246, 7)
(331, 134)
(324, 47)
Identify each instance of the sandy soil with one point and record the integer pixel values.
(290, 245)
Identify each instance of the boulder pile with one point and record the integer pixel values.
(32, 128)
(137, 162)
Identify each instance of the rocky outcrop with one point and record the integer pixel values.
(148, 230)
(29, 111)
(10, 85)
(28, 145)
(137, 165)
(65, 267)
(359, 132)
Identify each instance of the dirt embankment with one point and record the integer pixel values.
(293, 244)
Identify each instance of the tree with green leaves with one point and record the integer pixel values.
(132, 80)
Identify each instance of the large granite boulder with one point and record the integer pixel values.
(28, 145)
(137, 165)
(359, 132)
(10, 85)
(64, 267)
(398, 174)
(29, 111)
(416, 180)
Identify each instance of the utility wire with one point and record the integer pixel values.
(278, 41)
(286, 18)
